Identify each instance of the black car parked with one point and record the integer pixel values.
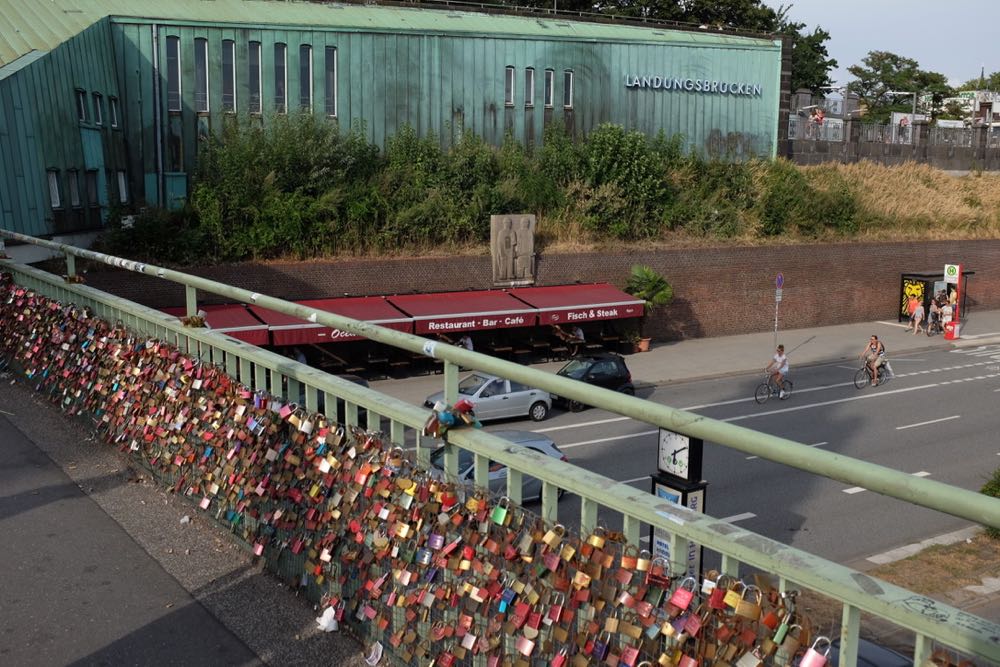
(601, 370)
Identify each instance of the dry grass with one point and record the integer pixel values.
(917, 201)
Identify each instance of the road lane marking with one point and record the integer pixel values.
(997, 333)
(859, 489)
(894, 324)
(637, 479)
(824, 387)
(593, 423)
(610, 439)
(833, 402)
(818, 444)
(933, 421)
(738, 517)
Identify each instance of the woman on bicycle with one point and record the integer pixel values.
(778, 368)
(874, 356)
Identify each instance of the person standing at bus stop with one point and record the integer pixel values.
(917, 317)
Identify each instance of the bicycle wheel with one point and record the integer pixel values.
(786, 390)
(862, 378)
(762, 393)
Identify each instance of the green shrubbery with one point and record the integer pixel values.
(302, 187)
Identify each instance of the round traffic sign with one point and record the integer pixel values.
(779, 281)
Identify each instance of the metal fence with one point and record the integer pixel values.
(931, 621)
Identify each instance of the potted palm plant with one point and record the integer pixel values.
(646, 284)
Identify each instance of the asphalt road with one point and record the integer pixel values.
(937, 418)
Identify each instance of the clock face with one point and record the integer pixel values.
(674, 453)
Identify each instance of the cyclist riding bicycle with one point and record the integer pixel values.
(778, 368)
(874, 356)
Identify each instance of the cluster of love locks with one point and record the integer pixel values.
(441, 572)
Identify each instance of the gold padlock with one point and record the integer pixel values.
(598, 538)
(554, 535)
(750, 608)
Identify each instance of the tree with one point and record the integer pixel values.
(811, 62)
(882, 71)
(983, 82)
(646, 284)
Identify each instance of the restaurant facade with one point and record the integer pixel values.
(103, 103)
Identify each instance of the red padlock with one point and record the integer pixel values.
(682, 596)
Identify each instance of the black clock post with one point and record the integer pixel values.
(678, 480)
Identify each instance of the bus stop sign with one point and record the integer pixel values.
(779, 281)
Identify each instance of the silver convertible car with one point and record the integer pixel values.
(496, 398)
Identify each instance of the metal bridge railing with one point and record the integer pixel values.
(931, 621)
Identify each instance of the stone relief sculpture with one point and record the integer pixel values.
(512, 245)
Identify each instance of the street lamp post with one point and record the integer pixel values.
(913, 114)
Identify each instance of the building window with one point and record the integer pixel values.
(98, 109)
(228, 75)
(568, 89)
(74, 188)
(280, 78)
(122, 188)
(55, 199)
(173, 73)
(508, 87)
(113, 111)
(254, 69)
(331, 81)
(201, 75)
(550, 76)
(92, 187)
(81, 106)
(306, 77)
(529, 87)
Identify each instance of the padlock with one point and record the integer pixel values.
(560, 658)
(598, 538)
(601, 646)
(629, 656)
(556, 603)
(788, 646)
(630, 557)
(750, 659)
(688, 661)
(658, 573)
(499, 514)
(750, 608)
(814, 658)
(554, 535)
(682, 596)
(734, 594)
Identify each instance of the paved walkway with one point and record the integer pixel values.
(103, 571)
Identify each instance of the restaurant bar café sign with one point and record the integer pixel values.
(708, 86)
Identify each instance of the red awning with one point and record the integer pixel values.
(563, 304)
(288, 330)
(232, 319)
(455, 312)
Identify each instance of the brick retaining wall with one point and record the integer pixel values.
(717, 291)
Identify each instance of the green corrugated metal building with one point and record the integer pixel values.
(102, 102)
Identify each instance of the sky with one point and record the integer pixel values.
(953, 38)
